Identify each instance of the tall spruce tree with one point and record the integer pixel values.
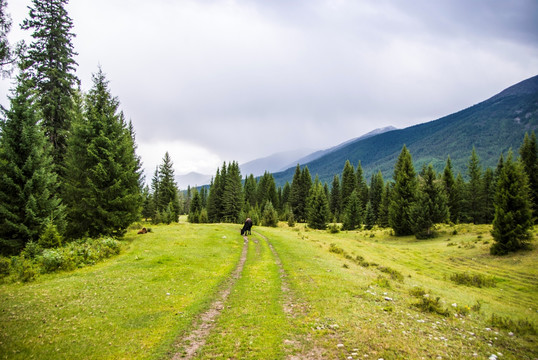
(168, 197)
(352, 217)
(430, 207)
(266, 190)
(453, 195)
(383, 215)
(403, 195)
(250, 191)
(102, 190)
(349, 183)
(529, 157)
(317, 207)
(233, 193)
(336, 199)
(28, 188)
(488, 189)
(513, 215)
(195, 207)
(362, 187)
(376, 194)
(474, 194)
(300, 187)
(51, 65)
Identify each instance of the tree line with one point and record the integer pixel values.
(411, 203)
(68, 163)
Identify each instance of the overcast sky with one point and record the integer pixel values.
(212, 81)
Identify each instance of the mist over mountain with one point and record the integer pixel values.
(492, 127)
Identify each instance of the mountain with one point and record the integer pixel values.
(192, 179)
(272, 163)
(320, 153)
(492, 127)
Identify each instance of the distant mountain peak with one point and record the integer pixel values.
(525, 87)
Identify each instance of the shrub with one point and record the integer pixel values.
(5, 264)
(333, 229)
(23, 269)
(50, 238)
(417, 291)
(428, 304)
(31, 250)
(476, 280)
(335, 249)
(383, 282)
(204, 218)
(394, 274)
(51, 260)
(291, 220)
(270, 216)
(520, 326)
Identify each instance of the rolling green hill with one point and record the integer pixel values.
(492, 126)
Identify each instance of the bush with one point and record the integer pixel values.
(270, 216)
(24, 269)
(335, 249)
(31, 250)
(428, 304)
(51, 260)
(417, 291)
(5, 264)
(50, 238)
(333, 229)
(291, 220)
(476, 280)
(394, 274)
(519, 326)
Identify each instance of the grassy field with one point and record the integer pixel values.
(301, 294)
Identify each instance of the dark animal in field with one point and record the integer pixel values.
(142, 231)
(246, 228)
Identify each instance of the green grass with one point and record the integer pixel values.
(132, 306)
(341, 295)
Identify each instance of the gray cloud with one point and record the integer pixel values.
(236, 80)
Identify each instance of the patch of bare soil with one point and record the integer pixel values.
(197, 338)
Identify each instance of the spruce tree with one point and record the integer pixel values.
(453, 195)
(51, 65)
(349, 183)
(336, 199)
(488, 189)
(317, 207)
(269, 215)
(286, 190)
(353, 213)
(168, 196)
(362, 187)
(195, 207)
(430, 207)
(529, 157)
(376, 194)
(250, 191)
(369, 216)
(299, 191)
(513, 223)
(383, 215)
(28, 187)
(403, 195)
(233, 193)
(266, 190)
(474, 193)
(102, 183)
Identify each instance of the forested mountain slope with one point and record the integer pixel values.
(492, 126)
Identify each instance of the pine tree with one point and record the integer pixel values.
(102, 183)
(250, 191)
(362, 187)
(529, 157)
(513, 216)
(195, 208)
(352, 213)
(376, 194)
(336, 199)
(8, 53)
(266, 190)
(474, 194)
(369, 216)
(453, 195)
(430, 207)
(317, 207)
(488, 189)
(403, 195)
(168, 196)
(286, 190)
(349, 183)
(233, 193)
(383, 215)
(51, 65)
(300, 187)
(28, 187)
(269, 216)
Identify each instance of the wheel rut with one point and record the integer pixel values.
(189, 345)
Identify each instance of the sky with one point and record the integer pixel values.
(212, 81)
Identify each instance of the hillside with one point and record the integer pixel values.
(492, 126)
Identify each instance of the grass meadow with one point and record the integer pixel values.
(302, 294)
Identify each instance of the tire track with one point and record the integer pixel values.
(189, 344)
(292, 311)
